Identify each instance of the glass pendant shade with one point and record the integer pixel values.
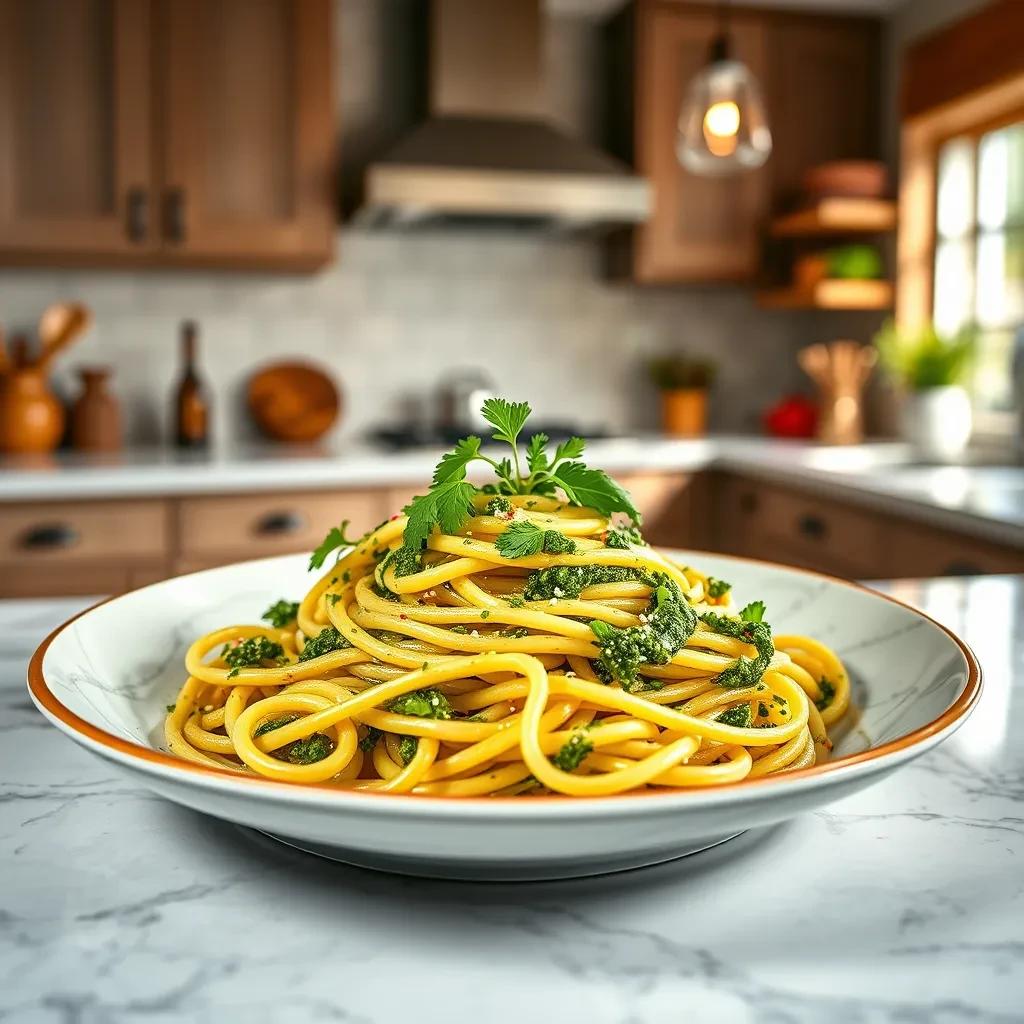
(722, 126)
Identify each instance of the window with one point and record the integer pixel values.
(979, 256)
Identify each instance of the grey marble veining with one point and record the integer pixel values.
(904, 903)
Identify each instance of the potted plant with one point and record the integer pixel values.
(684, 384)
(931, 369)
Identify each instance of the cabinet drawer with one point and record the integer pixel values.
(56, 532)
(800, 529)
(214, 530)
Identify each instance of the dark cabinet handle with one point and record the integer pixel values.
(279, 524)
(138, 215)
(49, 537)
(174, 215)
(812, 526)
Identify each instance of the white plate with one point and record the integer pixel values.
(105, 677)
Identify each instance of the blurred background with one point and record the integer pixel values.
(261, 260)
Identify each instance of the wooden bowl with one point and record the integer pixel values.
(293, 402)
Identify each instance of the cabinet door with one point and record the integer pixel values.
(701, 228)
(75, 170)
(248, 134)
(822, 93)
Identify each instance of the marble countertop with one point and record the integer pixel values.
(984, 501)
(904, 903)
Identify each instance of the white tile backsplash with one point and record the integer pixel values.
(399, 310)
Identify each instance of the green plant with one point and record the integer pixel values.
(673, 373)
(922, 358)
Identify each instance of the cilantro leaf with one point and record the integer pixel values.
(520, 540)
(335, 539)
(595, 489)
(753, 612)
(453, 464)
(536, 456)
(448, 505)
(570, 449)
(507, 418)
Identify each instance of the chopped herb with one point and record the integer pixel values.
(572, 753)
(828, 693)
(743, 671)
(333, 599)
(513, 632)
(327, 640)
(516, 601)
(281, 613)
(485, 614)
(407, 748)
(569, 581)
(499, 506)
(738, 716)
(310, 750)
(762, 709)
(274, 723)
(369, 741)
(623, 537)
(422, 704)
(460, 629)
(669, 623)
(253, 652)
(718, 588)
(170, 707)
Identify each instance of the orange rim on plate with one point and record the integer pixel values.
(953, 714)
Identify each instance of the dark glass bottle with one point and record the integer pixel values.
(191, 400)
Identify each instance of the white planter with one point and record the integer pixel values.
(937, 422)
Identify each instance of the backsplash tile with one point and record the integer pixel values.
(398, 310)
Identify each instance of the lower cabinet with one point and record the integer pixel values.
(106, 547)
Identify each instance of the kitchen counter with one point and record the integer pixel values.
(983, 501)
(902, 903)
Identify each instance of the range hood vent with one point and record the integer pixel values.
(487, 153)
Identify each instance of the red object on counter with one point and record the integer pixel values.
(794, 416)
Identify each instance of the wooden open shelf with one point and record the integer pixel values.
(830, 294)
(837, 216)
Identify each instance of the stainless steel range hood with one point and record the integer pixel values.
(487, 152)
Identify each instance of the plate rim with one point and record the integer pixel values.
(164, 764)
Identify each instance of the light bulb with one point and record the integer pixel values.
(722, 125)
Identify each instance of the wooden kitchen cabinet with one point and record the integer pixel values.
(166, 132)
(819, 75)
(75, 128)
(797, 527)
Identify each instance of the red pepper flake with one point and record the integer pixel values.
(403, 616)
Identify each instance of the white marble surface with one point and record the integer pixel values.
(984, 501)
(904, 903)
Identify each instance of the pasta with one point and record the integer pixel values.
(459, 666)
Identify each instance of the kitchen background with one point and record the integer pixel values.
(568, 318)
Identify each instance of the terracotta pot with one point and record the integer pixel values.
(96, 415)
(31, 417)
(684, 412)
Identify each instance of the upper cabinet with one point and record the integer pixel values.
(819, 76)
(167, 132)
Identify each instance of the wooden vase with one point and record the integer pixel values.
(31, 417)
(684, 412)
(96, 415)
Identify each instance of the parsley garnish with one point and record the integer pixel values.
(718, 588)
(753, 612)
(335, 539)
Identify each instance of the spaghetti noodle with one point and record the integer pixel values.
(552, 659)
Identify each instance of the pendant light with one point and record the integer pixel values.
(722, 125)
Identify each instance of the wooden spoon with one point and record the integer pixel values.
(59, 326)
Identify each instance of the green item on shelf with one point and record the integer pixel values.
(854, 262)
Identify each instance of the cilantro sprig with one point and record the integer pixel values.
(448, 503)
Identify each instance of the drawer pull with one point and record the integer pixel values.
(280, 524)
(49, 537)
(812, 526)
